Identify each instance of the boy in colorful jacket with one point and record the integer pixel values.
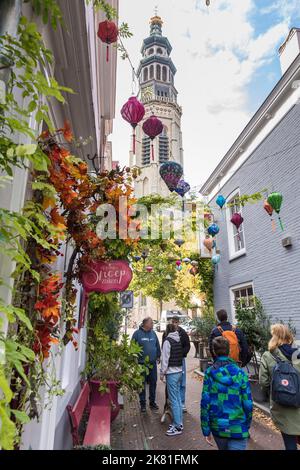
(226, 404)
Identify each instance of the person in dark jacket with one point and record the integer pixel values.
(171, 369)
(186, 346)
(226, 404)
(148, 340)
(225, 325)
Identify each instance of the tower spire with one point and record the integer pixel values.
(156, 24)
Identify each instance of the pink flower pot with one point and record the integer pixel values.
(109, 398)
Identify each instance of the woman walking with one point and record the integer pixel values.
(171, 368)
(280, 381)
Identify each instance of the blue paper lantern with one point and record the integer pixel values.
(221, 201)
(216, 259)
(182, 188)
(213, 230)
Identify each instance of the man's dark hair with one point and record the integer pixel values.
(222, 315)
(220, 346)
(146, 320)
(170, 328)
(176, 318)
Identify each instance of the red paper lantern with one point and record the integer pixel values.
(237, 220)
(133, 112)
(108, 32)
(152, 128)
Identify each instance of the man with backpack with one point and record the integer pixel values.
(279, 376)
(239, 350)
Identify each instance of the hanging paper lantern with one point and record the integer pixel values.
(149, 269)
(137, 258)
(168, 277)
(152, 128)
(133, 112)
(182, 188)
(213, 230)
(216, 259)
(179, 242)
(186, 260)
(171, 173)
(221, 201)
(275, 200)
(237, 220)
(194, 263)
(179, 268)
(108, 32)
(208, 243)
(269, 209)
(178, 263)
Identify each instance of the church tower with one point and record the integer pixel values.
(156, 74)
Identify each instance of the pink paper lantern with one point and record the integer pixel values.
(152, 128)
(133, 112)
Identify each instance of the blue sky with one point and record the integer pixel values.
(227, 61)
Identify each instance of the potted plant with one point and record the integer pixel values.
(202, 327)
(111, 367)
(253, 321)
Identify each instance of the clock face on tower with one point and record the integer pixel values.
(147, 93)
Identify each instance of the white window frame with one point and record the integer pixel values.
(230, 229)
(232, 290)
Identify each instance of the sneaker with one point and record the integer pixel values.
(179, 427)
(143, 409)
(173, 431)
(184, 410)
(154, 406)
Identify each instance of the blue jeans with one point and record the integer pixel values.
(152, 380)
(183, 383)
(290, 442)
(173, 385)
(225, 443)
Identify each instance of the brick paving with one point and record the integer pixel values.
(133, 431)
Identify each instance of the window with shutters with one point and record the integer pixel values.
(146, 150)
(164, 146)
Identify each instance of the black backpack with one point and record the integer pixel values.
(285, 386)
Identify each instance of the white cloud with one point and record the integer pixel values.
(216, 61)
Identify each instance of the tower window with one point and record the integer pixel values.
(163, 146)
(164, 74)
(158, 72)
(146, 149)
(151, 71)
(151, 51)
(145, 75)
(159, 51)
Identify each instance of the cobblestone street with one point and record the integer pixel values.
(133, 431)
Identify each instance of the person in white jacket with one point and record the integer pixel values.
(171, 369)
